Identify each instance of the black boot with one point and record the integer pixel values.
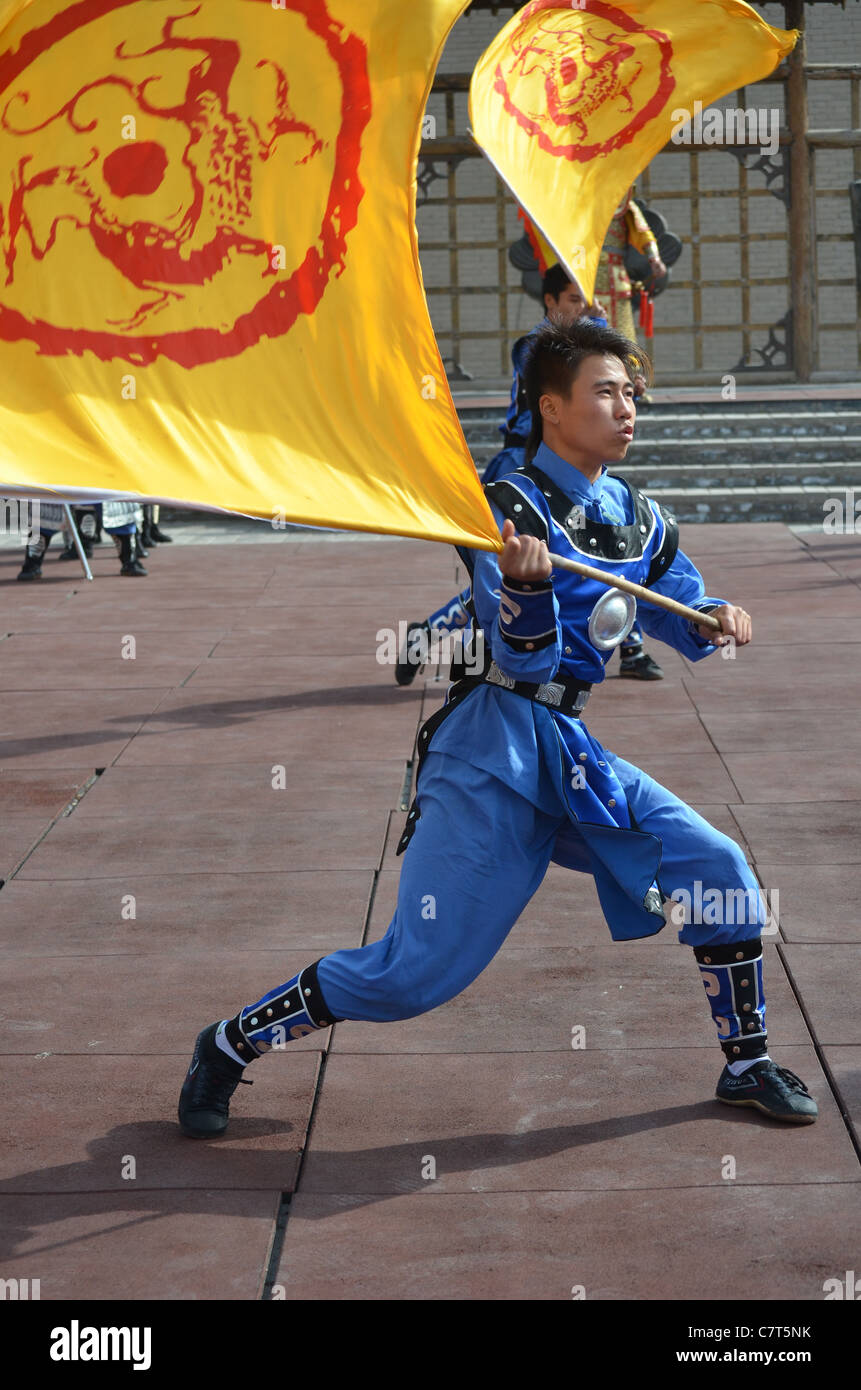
(130, 564)
(146, 536)
(155, 531)
(137, 549)
(32, 566)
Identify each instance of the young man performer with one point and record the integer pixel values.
(562, 301)
(510, 778)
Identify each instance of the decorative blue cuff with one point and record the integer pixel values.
(526, 586)
(704, 606)
(527, 614)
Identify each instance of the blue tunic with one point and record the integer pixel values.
(507, 784)
(539, 752)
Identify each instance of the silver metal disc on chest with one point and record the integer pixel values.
(612, 619)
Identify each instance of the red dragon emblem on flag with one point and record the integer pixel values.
(584, 92)
(201, 191)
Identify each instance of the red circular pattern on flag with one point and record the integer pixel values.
(579, 74)
(135, 169)
(149, 254)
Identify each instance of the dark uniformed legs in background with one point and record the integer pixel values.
(634, 662)
(34, 555)
(125, 538)
(88, 522)
(454, 616)
(151, 533)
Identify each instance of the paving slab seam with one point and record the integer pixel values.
(743, 840)
(276, 1249)
(854, 1139)
(846, 578)
(562, 1050)
(719, 1185)
(202, 662)
(121, 878)
(821, 555)
(66, 811)
(437, 1052)
(406, 787)
(280, 1232)
(715, 748)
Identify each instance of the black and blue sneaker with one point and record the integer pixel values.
(639, 666)
(774, 1090)
(204, 1100)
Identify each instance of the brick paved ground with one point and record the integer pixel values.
(555, 1167)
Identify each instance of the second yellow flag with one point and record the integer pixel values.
(571, 101)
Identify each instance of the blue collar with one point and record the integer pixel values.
(567, 477)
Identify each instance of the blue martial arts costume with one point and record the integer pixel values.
(508, 784)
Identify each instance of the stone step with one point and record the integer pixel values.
(750, 421)
(798, 505)
(750, 491)
(713, 452)
(493, 405)
(708, 447)
(482, 428)
(688, 431)
(837, 475)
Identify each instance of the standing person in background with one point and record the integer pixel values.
(51, 517)
(612, 281)
(150, 532)
(120, 520)
(564, 301)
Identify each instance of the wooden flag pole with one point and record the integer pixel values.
(647, 595)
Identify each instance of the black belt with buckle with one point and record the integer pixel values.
(565, 693)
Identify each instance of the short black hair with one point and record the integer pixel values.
(555, 281)
(555, 354)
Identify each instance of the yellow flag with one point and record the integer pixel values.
(210, 290)
(572, 100)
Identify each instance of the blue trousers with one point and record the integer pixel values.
(478, 854)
